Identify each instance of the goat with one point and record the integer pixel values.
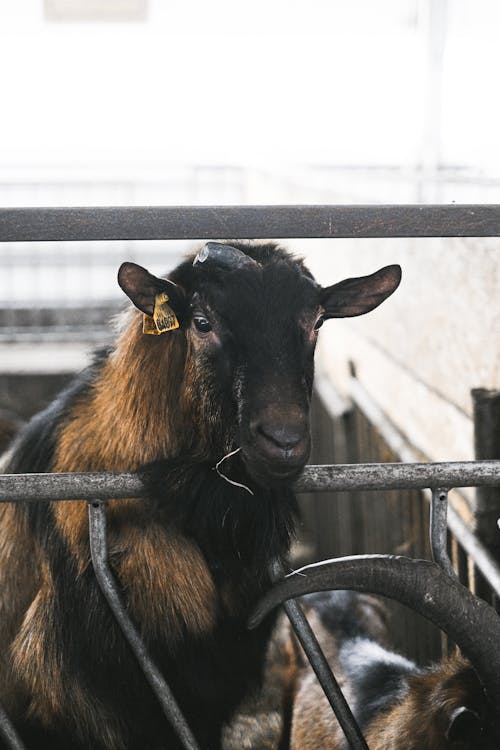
(229, 380)
(398, 705)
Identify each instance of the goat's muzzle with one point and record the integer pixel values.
(277, 447)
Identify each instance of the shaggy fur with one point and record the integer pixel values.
(193, 556)
(397, 705)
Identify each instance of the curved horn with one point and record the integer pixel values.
(422, 586)
(226, 256)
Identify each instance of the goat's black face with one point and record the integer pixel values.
(256, 328)
(252, 324)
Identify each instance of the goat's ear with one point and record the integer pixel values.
(360, 295)
(142, 287)
(464, 728)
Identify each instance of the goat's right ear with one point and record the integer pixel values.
(142, 288)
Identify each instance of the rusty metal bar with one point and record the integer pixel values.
(225, 222)
(320, 478)
(439, 530)
(99, 552)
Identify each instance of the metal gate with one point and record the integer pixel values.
(55, 224)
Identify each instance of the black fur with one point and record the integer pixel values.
(33, 449)
(257, 366)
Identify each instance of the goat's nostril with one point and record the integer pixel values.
(283, 437)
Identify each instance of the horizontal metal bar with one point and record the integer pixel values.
(320, 478)
(397, 476)
(225, 222)
(105, 579)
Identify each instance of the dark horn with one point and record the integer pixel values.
(226, 256)
(421, 585)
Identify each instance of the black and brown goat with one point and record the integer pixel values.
(399, 706)
(234, 374)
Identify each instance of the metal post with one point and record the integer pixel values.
(439, 529)
(9, 733)
(486, 403)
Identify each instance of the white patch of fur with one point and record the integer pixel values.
(5, 459)
(360, 652)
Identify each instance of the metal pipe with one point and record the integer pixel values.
(392, 476)
(226, 222)
(321, 668)
(327, 478)
(99, 552)
(9, 733)
(341, 477)
(419, 584)
(438, 529)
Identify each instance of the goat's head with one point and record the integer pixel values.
(251, 315)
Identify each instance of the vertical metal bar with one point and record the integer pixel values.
(322, 670)
(438, 530)
(9, 733)
(99, 552)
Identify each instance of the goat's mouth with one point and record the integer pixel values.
(272, 471)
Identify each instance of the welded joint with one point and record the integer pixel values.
(439, 529)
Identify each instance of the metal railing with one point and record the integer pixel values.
(106, 486)
(229, 222)
(225, 222)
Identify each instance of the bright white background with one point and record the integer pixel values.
(267, 83)
(269, 101)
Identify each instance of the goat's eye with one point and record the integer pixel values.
(319, 323)
(202, 324)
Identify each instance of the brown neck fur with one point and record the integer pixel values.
(136, 412)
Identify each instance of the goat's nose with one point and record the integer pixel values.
(282, 441)
(285, 437)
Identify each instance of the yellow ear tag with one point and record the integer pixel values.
(163, 318)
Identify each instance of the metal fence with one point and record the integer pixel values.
(27, 225)
(375, 521)
(341, 478)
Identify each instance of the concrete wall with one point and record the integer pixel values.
(425, 348)
(419, 354)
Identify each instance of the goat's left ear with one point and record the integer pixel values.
(142, 288)
(359, 295)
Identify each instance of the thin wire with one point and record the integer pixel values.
(231, 481)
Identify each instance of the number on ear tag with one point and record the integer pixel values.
(163, 319)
